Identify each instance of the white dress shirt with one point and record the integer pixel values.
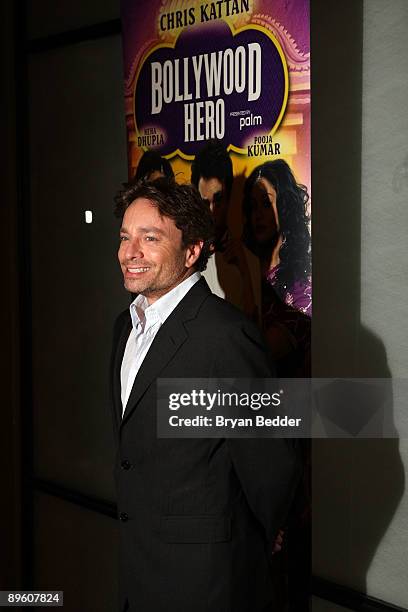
(146, 322)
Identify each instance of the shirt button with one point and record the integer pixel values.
(125, 465)
(123, 517)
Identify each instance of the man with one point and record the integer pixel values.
(198, 517)
(212, 174)
(228, 274)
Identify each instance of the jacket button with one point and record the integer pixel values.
(123, 517)
(125, 465)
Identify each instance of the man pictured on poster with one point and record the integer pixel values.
(228, 274)
(199, 518)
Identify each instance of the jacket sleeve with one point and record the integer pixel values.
(268, 469)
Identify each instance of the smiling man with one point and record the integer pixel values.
(199, 518)
(151, 255)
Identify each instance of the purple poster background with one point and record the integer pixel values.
(204, 40)
(285, 21)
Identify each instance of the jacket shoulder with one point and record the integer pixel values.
(222, 314)
(237, 345)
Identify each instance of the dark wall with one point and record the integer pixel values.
(10, 507)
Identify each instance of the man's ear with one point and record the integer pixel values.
(193, 252)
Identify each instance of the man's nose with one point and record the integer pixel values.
(133, 249)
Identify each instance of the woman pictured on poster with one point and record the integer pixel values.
(276, 229)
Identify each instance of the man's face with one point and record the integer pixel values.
(213, 190)
(151, 254)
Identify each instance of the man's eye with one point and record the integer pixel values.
(151, 238)
(122, 238)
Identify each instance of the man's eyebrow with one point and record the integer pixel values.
(151, 228)
(144, 230)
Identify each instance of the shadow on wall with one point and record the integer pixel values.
(357, 487)
(357, 484)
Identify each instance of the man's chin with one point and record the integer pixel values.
(134, 286)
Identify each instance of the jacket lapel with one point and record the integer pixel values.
(120, 350)
(165, 345)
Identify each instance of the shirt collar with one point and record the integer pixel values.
(147, 315)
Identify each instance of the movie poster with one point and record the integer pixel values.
(206, 80)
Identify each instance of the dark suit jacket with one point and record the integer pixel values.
(198, 516)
